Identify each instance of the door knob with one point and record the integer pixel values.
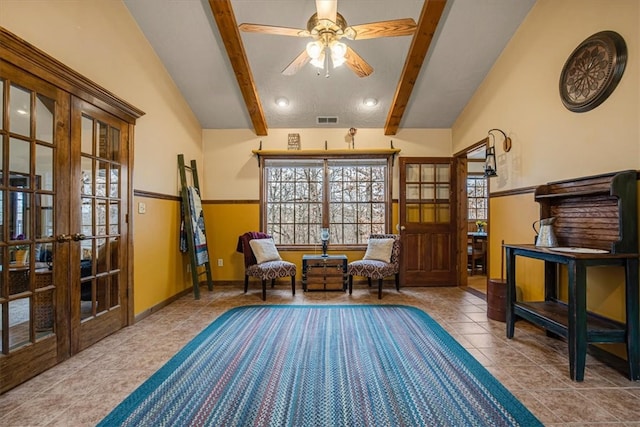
(61, 238)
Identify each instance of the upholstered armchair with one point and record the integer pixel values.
(382, 259)
(262, 260)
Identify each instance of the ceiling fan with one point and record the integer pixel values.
(327, 27)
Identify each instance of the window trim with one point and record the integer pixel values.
(387, 154)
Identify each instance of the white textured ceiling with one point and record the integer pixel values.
(469, 38)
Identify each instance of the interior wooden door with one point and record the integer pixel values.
(99, 187)
(34, 153)
(427, 212)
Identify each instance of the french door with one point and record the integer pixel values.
(63, 204)
(98, 234)
(427, 212)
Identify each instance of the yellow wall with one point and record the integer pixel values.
(550, 143)
(225, 222)
(160, 269)
(100, 40)
(521, 97)
(232, 171)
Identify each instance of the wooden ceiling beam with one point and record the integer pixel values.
(228, 27)
(429, 19)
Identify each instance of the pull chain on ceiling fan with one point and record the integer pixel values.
(327, 27)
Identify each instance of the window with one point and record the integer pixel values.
(477, 197)
(349, 196)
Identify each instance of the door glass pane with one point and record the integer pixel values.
(86, 139)
(103, 141)
(444, 214)
(101, 217)
(20, 159)
(1, 223)
(428, 213)
(428, 174)
(44, 222)
(443, 191)
(114, 147)
(101, 179)
(44, 118)
(413, 212)
(20, 111)
(1, 104)
(87, 216)
(101, 294)
(43, 302)
(44, 167)
(114, 217)
(114, 184)
(413, 191)
(413, 173)
(19, 223)
(87, 176)
(19, 315)
(428, 192)
(443, 173)
(101, 265)
(114, 297)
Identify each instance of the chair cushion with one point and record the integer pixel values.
(271, 270)
(370, 268)
(379, 250)
(265, 250)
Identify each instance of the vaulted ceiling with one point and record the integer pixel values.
(231, 79)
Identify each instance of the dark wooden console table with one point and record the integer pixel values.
(571, 320)
(596, 225)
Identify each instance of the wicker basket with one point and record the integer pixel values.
(18, 281)
(43, 302)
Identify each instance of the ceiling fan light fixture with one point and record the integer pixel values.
(338, 51)
(319, 61)
(315, 49)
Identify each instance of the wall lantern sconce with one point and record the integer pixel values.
(490, 167)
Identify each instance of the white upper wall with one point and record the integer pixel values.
(232, 171)
(521, 97)
(100, 40)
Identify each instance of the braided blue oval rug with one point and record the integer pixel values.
(359, 365)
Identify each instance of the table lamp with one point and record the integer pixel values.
(324, 236)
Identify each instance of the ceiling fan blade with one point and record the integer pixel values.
(327, 9)
(295, 65)
(357, 64)
(392, 28)
(270, 29)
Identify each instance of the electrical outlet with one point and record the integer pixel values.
(220, 263)
(142, 208)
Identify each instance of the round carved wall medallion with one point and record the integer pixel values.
(593, 71)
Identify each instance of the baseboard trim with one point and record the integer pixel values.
(148, 312)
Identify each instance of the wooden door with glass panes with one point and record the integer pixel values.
(34, 207)
(99, 181)
(427, 213)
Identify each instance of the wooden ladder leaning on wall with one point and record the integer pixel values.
(190, 232)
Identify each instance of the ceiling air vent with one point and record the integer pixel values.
(326, 120)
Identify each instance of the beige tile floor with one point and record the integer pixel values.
(85, 388)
